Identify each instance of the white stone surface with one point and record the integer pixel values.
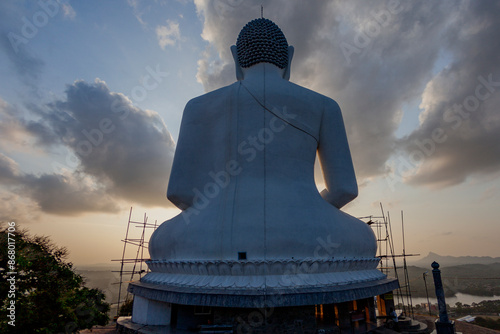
(151, 312)
(259, 275)
(244, 176)
(253, 225)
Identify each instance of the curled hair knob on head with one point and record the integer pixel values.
(262, 41)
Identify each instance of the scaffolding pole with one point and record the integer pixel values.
(386, 251)
(138, 259)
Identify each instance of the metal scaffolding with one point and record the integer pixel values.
(382, 228)
(133, 262)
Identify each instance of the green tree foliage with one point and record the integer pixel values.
(49, 296)
(491, 307)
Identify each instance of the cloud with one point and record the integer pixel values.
(28, 66)
(14, 207)
(388, 68)
(127, 148)
(18, 29)
(168, 35)
(12, 130)
(67, 194)
(375, 58)
(9, 170)
(138, 11)
(68, 11)
(124, 153)
(14, 43)
(459, 134)
(20, 134)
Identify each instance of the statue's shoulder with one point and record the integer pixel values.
(313, 97)
(213, 97)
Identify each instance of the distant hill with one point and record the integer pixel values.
(472, 279)
(447, 261)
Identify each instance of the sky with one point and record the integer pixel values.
(92, 94)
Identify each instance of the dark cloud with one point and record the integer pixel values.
(371, 84)
(461, 104)
(116, 150)
(124, 153)
(70, 194)
(128, 149)
(374, 58)
(225, 18)
(9, 170)
(15, 130)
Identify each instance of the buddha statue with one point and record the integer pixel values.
(254, 231)
(243, 171)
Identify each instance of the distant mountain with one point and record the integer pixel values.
(471, 279)
(447, 261)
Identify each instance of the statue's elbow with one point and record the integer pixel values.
(352, 192)
(347, 194)
(341, 196)
(177, 199)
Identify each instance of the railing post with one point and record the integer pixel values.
(443, 324)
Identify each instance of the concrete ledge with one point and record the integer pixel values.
(126, 326)
(270, 297)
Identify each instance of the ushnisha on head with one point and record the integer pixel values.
(261, 41)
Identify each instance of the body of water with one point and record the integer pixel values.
(459, 297)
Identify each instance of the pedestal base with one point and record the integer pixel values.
(151, 312)
(262, 293)
(445, 327)
(275, 283)
(309, 319)
(259, 298)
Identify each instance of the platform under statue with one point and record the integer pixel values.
(254, 231)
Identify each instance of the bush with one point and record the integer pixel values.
(49, 296)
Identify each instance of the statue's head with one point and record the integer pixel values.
(262, 41)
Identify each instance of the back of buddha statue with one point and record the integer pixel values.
(243, 171)
(253, 230)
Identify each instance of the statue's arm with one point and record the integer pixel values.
(181, 182)
(335, 158)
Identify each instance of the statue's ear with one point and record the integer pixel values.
(239, 70)
(286, 74)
